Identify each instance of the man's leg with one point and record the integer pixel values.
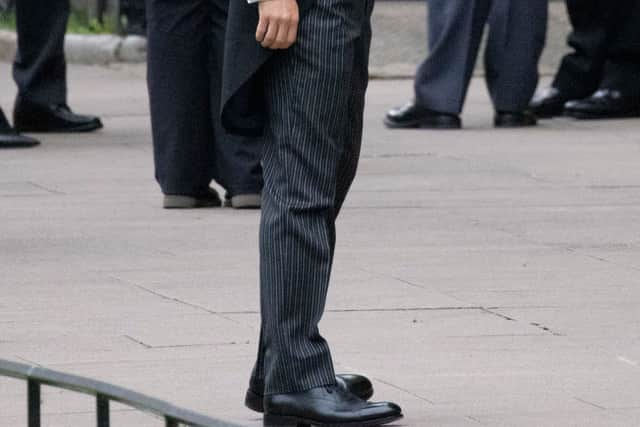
(309, 88)
(517, 31)
(594, 23)
(237, 158)
(10, 138)
(359, 82)
(310, 159)
(580, 72)
(618, 93)
(39, 68)
(455, 32)
(179, 79)
(622, 68)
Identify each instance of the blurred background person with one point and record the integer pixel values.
(39, 71)
(517, 30)
(185, 55)
(601, 77)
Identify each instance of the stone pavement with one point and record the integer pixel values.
(482, 278)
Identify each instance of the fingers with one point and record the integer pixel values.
(261, 31)
(270, 39)
(281, 38)
(278, 24)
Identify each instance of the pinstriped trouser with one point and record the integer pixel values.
(315, 95)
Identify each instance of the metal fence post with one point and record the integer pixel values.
(102, 411)
(33, 401)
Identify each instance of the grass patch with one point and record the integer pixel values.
(79, 23)
(7, 21)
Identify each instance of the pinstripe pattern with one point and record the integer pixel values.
(315, 95)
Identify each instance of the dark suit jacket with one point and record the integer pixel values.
(242, 101)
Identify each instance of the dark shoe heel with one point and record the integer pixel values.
(270, 420)
(253, 401)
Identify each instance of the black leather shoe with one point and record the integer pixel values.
(327, 406)
(518, 119)
(604, 104)
(549, 103)
(31, 117)
(10, 138)
(414, 116)
(359, 385)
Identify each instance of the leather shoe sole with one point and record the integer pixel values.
(548, 111)
(585, 115)
(271, 420)
(17, 141)
(434, 122)
(79, 128)
(244, 201)
(177, 201)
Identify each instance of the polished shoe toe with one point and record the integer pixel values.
(10, 138)
(327, 406)
(29, 116)
(414, 116)
(604, 104)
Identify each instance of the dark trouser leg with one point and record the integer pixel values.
(238, 163)
(622, 68)
(455, 32)
(593, 22)
(359, 83)
(237, 158)
(39, 68)
(516, 39)
(185, 45)
(309, 89)
(179, 43)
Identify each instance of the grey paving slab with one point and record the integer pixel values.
(482, 277)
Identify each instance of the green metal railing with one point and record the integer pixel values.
(37, 376)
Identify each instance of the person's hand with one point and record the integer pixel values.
(278, 26)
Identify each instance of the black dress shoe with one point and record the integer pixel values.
(10, 138)
(327, 406)
(359, 385)
(549, 103)
(518, 119)
(31, 117)
(604, 104)
(415, 116)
